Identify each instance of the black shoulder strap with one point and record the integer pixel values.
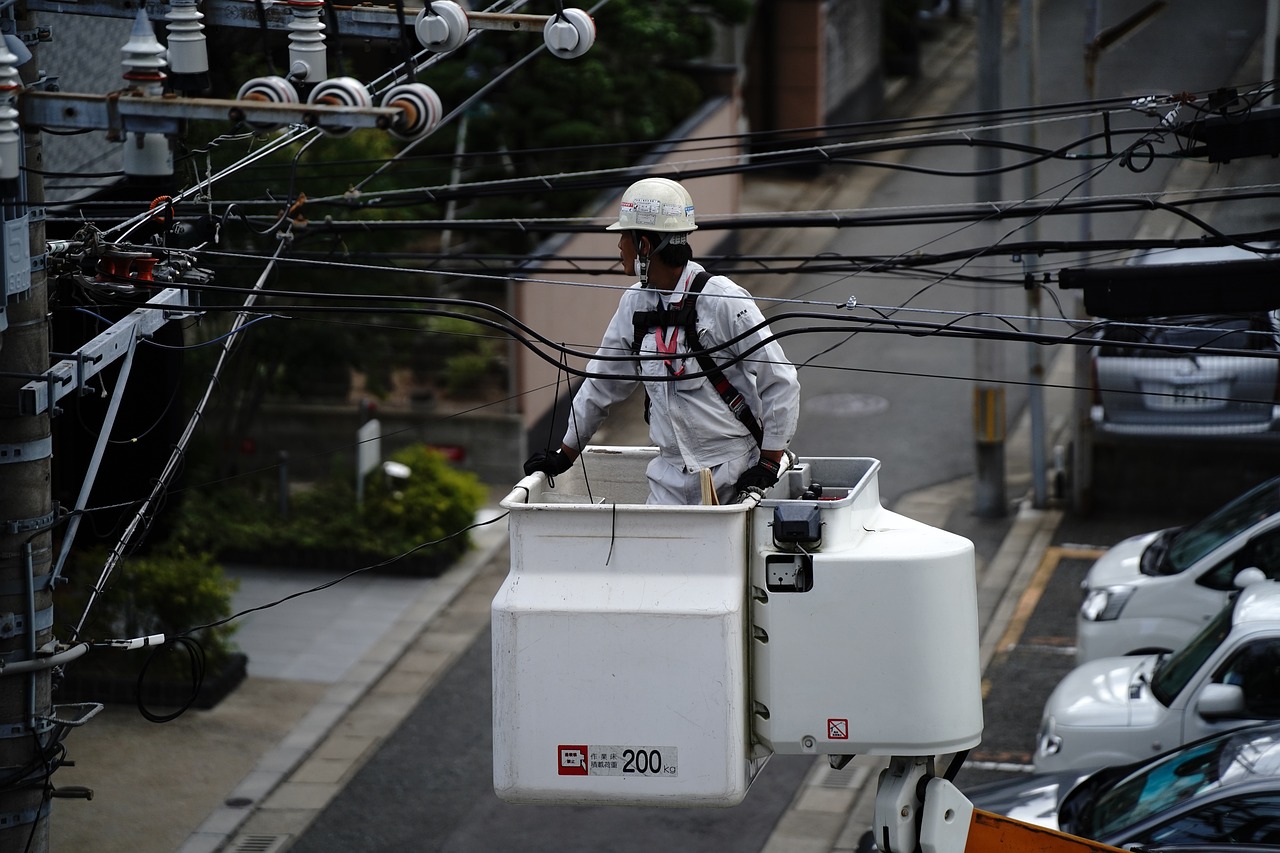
(732, 398)
(686, 315)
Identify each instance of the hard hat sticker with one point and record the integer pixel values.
(617, 760)
(673, 210)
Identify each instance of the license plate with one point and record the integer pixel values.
(1190, 397)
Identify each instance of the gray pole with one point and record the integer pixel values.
(1028, 41)
(1269, 44)
(989, 398)
(26, 515)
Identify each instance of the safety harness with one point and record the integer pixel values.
(684, 314)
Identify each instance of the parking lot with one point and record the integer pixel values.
(1143, 488)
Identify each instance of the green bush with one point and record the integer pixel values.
(437, 500)
(168, 591)
(326, 526)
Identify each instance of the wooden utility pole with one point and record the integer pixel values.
(26, 506)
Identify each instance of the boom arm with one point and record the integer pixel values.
(916, 810)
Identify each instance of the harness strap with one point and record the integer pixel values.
(686, 314)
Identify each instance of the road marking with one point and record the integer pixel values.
(1053, 555)
(1003, 766)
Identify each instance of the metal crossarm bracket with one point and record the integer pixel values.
(71, 374)
(129, 113)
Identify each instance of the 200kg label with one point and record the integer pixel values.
(617, 760)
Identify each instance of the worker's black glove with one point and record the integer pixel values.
(761, 475)
(552, 464)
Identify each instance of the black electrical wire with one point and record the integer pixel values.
(318, 588)
(196, 670)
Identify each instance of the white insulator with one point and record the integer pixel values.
(420, 109)
(339, 92)
(188, 53)
(569, 34)
(307, 59)
(10, 133)
(267, 90)
(144, 56)
(9, 79)
(441, 26)
(18, 49)
(147, 154)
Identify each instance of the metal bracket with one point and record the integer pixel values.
(26, 525)
(85, 711)
(15, 624)
(9, 731)
(9, 820)
(72, 374)
(19, 587)
(30, 451)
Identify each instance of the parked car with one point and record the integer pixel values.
(1151, 593)
(1153, 393)
(1221, 790)
(1122, 709)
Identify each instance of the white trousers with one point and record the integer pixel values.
(670, 483)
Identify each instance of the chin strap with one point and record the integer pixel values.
(642, 259)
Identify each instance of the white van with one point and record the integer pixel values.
(1151, 593)
(1117, 710)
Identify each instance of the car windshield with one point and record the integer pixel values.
(1228, 331)
(1175, 670)
(1202, 537)
(1151, 790)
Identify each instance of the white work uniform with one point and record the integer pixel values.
(689, 422)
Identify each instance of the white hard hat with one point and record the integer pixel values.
(655, 204)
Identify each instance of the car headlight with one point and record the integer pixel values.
(1048, 742)
(1103, 605)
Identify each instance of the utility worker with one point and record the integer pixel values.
(737, 421)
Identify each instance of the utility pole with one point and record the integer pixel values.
(988, 395)
(26, 502)
(1029, 41)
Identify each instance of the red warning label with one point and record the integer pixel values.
(572, 759)
(837, 729)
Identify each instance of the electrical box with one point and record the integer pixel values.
(865, 640)
(657, 655)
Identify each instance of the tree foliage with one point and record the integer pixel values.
(602, 110)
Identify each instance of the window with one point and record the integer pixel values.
(1237, 820)
(1262, 553)
(1256, 668)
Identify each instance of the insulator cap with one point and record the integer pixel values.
(569, 34)
(441, 26)
(420, 110)
(269, 90)
(340, 92)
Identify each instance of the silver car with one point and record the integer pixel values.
(1152, 592)
(1117, 710)
(1153, 393)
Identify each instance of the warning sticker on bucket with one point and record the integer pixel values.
(615, 760)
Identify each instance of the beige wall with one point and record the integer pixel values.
(577, 316)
